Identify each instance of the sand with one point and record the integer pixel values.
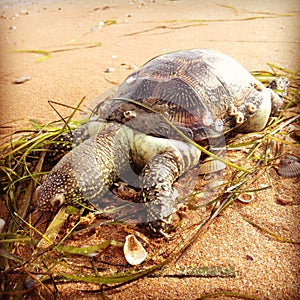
(130, 33)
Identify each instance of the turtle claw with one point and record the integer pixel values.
(160, 228)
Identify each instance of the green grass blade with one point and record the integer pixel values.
(274, 235)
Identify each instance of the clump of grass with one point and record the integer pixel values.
(34, 263)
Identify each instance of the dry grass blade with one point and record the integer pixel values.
(55, 226)
(10, 256)
(176, 27)
(196, 271)
(47, 53)
(200, 22)
(274, 235)
(85, 251)
(272, 15)
(228, 294)
(98, 25)
(229, 7)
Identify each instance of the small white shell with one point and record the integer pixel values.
(110, 70)
(219, 125)
(22, 79)
(246, 197)
(211, 165)
(134, 252)
(282, 85)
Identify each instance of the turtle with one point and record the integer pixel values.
(143, 131)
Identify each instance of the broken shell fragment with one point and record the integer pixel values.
(280, 84)
(211, 165)
(134, 252)
(219, 125)
(22, 79)
(246, 197)
(289, 166)
(215, 184)
(110, 70)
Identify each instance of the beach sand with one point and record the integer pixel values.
(132, 32)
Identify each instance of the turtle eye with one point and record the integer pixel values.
(57, 200)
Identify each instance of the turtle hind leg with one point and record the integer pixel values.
(157, 178)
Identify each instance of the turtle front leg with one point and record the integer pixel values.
(157, 178)
(171, 159)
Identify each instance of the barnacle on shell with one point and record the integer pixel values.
(239, 118)
(207, 119)
(251, 108)
(129, 114)
(232, 110)
(258, 86)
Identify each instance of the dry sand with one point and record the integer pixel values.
(253, 32)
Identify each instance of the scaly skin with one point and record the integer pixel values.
(164, 161)
(82, 174)
(89, 170)
(157, 190)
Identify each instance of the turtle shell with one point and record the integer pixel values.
(203, 92)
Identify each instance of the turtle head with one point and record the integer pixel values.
(259, 114)
(59, 188)
(276, 103)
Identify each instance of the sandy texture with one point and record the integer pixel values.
(68, 76)
(253, 32)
